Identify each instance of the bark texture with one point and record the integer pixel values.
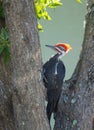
(27, 104)
(6, 110)
(76, 106)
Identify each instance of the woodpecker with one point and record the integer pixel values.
(53, 75)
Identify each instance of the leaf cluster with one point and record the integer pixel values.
(41, 9)
(4, 39)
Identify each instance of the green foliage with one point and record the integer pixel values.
(40, 27)
(41, 9)
(42, 5)
(4, 45)
(79, 1)
(1, 10)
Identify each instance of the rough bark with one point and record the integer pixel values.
(27, 93)
(76, 106)
(6, 110)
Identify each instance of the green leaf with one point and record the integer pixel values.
(7, 55)
(5, 45)
(1, 49)
(41, 9)
(46, 16)
(79, 1)
(55, 4)
(38, 11)
(4, 34)
(1, 10)
(40, 27)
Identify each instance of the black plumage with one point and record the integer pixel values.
(53, 75)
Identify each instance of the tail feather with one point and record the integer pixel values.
(50, 109)
(53, 98)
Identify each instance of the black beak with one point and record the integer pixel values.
(50, 46)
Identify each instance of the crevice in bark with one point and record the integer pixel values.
(2, 22)
(93, 124)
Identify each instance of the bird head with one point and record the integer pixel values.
(61, 48)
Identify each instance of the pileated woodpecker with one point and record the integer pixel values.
(53, 75)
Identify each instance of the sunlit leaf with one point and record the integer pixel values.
(55, 4)
(46, 16)
(42, 6)
(79, 1)
(40, 27)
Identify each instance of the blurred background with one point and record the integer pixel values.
(67, 25)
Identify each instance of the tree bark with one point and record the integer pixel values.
(27, 92)
(76, 106)
(6, 110)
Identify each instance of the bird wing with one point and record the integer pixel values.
(53, 74)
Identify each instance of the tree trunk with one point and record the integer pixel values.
(27, 92)
(76, 106)
(6, 110)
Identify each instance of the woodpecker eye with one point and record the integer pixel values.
(60, 49)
